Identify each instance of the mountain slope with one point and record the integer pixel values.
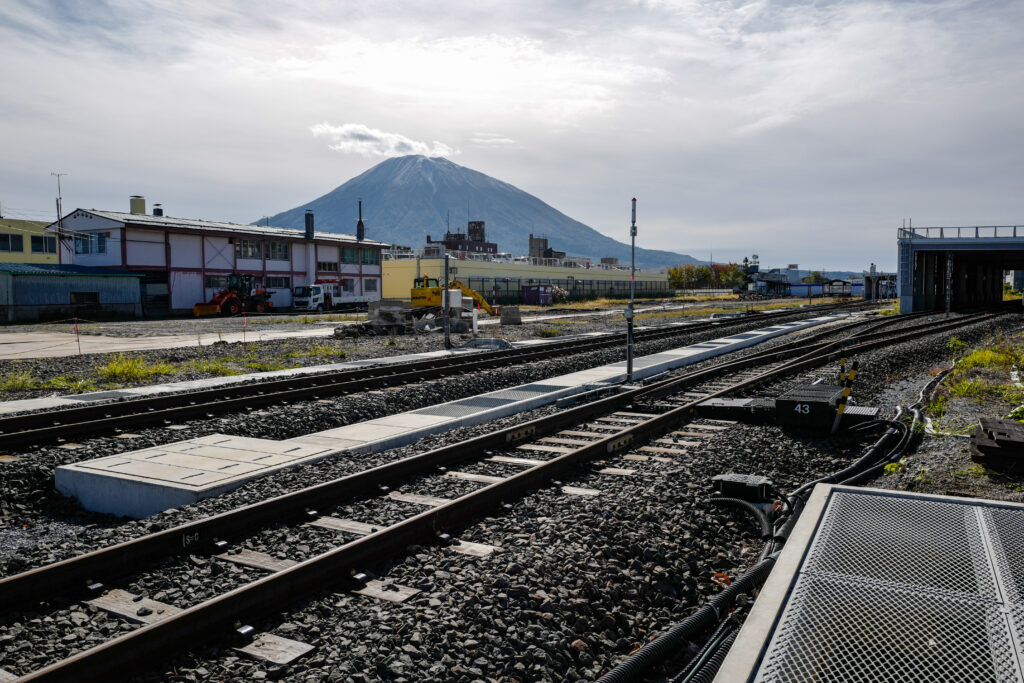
(407, 198)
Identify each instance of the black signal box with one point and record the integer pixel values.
(810, 406)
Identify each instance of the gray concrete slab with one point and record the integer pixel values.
(144, 482)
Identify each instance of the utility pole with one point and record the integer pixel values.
(445, 305)
(60, 209)
(632, 292)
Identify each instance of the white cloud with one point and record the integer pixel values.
(356, 138)
(762, 115)
(491, 140)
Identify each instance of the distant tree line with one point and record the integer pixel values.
(719, 275)
(814, 278)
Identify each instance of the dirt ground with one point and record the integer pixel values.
(32, 378)
(256, 323)
(984, 383)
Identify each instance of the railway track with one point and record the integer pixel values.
(546, 449)
(38, 428)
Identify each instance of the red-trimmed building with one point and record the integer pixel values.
(185, 261)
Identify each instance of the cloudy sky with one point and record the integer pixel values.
(802, 131)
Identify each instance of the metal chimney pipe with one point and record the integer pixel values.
(309, 224)
(360, 228)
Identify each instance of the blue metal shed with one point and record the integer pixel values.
(30, 291)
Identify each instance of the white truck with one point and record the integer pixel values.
(317, 297)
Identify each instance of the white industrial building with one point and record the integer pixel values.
(186, 261)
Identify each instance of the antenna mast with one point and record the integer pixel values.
(60, 210)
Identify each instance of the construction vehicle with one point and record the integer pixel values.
(241, 294)
(424, 313)
(427, 294)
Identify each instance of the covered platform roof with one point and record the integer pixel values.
(967, 260)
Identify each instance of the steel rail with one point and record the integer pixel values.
(69, 575)
(127, 556)
(213, 617)
(48, 426)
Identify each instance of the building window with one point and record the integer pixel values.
(274, 282)
(85, 298)
(371, 256)
(91, 243)
(12, 243)
(247, 248)
(42, 244)
(369, 285)
(216, 281)
(327, 266)
(350, 254)
(348, 285)
(277, 251)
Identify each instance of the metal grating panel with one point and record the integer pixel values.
(465, 407)
(841, 630)
(522, 394)
(903, 541)
(904, 588)
(99, 396)
(1008, 547)
(542, 388)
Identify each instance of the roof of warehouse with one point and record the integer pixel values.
(218, 226)
(20, 225)
(60, 270)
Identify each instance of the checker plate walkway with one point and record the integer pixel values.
(144, 482)
(892, 586)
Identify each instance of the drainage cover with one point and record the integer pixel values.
(895, 587)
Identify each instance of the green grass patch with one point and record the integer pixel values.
(970, 388)
(938, 406)
(20, 380)
(122, 368)
(974, 471)
(213, 367)
(71, 384)
(893, 309)
(1001, 355)
(267, 366)
(952, 425)
(321, 351)
(548, 332)
(894, 468)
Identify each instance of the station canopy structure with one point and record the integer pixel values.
(961, 265)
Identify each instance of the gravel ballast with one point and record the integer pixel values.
(578, 583)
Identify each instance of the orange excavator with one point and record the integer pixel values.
(241, 294)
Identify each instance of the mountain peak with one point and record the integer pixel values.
(409, 197)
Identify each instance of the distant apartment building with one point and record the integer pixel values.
(473, 241)
(539, 249)
(186, 261)
(26, 242)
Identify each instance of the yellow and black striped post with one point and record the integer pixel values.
(847, 387)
